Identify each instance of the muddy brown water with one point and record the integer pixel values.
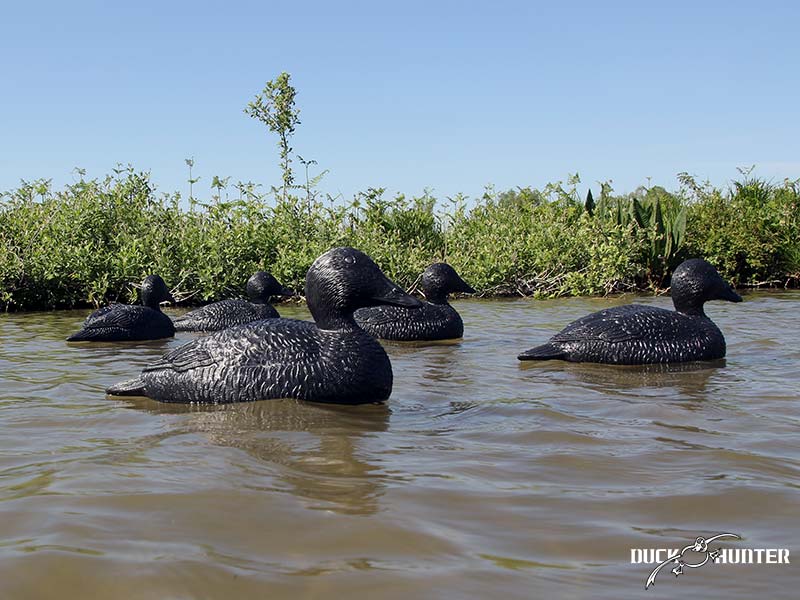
(481, 477)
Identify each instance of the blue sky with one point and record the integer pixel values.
(449, 96)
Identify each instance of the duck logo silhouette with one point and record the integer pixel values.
(700, 546)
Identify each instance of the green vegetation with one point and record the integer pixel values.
(88, 243)
(94, 240)
(274, 107)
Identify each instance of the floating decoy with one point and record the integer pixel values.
(436, 320)
(330, 360)
(130, 322)
(227, 313)
(635, 334)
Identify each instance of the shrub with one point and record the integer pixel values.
(95, 240)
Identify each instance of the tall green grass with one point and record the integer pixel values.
(91, 242)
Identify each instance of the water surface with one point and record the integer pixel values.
(481, 477)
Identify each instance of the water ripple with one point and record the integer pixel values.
(481, 475)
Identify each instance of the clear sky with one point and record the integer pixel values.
(407, 95)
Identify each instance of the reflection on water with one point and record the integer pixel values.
(482, 476)
(681, 381)
(322, 466)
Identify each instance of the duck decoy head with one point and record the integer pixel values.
(695, 282)
(154, 291)
(262, 286)
(439, 280)
(345, 279)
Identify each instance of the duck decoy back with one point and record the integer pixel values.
(636, 334)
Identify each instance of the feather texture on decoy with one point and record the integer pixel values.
(130, 322)
(330, 360)
(261, 287)
(436, 320)
(635, 334)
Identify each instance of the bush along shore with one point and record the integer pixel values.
(93, 241)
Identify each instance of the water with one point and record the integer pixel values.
(481, 477)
